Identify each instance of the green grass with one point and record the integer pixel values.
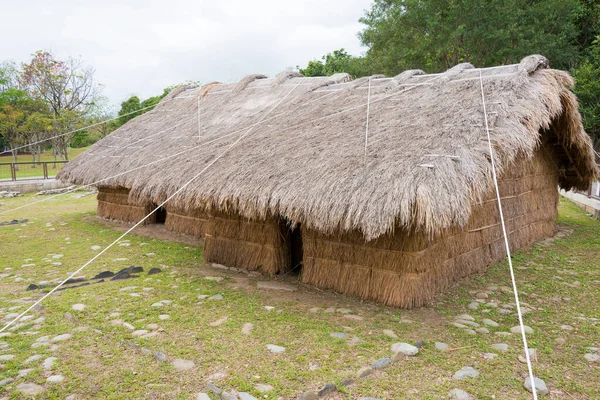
(26, 170)
(97, 364)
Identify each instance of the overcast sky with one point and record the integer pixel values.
(140, 47)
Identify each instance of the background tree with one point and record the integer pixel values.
(587, 88)
(336, 62)
(67, 87)
(435, 35)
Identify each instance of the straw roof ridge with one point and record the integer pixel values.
(427, 158)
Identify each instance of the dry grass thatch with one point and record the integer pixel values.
(242, 243)
(114, 204)
(190, 222)
(407, 269)
(427, 155)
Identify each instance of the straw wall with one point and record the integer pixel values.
(406, 269)
(249, 244)
(114, 204)
(190, 222)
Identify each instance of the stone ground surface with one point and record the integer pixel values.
(197, 331)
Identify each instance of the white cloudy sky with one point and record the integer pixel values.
(141, 46)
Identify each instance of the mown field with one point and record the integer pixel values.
(165, 335)
(27, 170)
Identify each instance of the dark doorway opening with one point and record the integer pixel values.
(295, 249)
(160, 215)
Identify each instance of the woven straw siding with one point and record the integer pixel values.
(242, 243)
(114, 205)
(404, 270)
(191, 222)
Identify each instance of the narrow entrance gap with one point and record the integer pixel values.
(295, 249)
(160, 215)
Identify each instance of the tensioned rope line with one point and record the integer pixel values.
(512, 273)
(221, 137)
(76, 130)
(141, 166)
(120, 173)
(148, 215)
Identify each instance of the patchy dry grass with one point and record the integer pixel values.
(101, 361)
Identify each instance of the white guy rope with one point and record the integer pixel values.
(202, 144)
(512, 273)
(76, 130)
(148, 215)
(367, 123)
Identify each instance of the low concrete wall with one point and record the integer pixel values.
(32, 185)
(590, 205)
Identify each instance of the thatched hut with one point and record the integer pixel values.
(395, 213)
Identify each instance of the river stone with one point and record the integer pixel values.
(202, 396)
(159, 356)
(154, 271)
(183, 365)
(517, 329)
(328, 388)
(6, 381)
(275, 349)
(263, 388)
(404, 349)
(7, 357)
(164, 317)
(390, 333)
(32, 359)
(216, 297)
(139, 332)
(338, 335)
(441, 346)
(308, 396)
(95, 247)
(465, 372)
(212, 388)
(500, 346)
(540, 385)
(592, 357)
(104, 275)
(489, 356)
(30, 389)
(246, 396)
(78, 307)
(49, 363)
(482, 330)
(364, 372)
(247, 328)
(381, 363)
(473, 306)
(459, 394)
(55, 378)
(489, 322)
(465, 317)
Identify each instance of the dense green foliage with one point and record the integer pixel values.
(435, 35)
(587, 88)
(129, 106)
(336, 62)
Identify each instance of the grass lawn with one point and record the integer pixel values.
(559, 282)
(28, 170)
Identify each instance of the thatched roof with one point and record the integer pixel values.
(427, 158)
